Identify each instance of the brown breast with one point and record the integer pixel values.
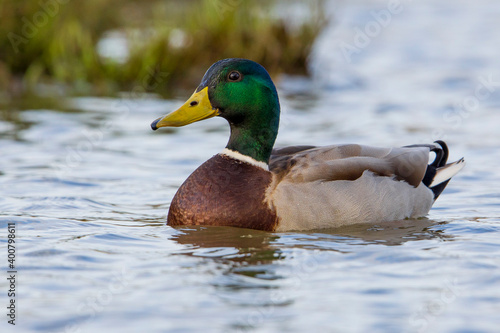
(224, 192)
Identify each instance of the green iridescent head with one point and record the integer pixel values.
(242, 92)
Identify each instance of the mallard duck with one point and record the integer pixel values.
(250, 185)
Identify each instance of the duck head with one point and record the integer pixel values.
(242, 92)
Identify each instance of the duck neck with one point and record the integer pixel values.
(254, 139)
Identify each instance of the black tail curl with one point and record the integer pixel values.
(440, 161)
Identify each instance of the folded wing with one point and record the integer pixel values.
(348, 162)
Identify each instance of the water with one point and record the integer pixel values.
(89, 189)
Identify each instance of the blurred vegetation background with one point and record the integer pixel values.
(103, 47)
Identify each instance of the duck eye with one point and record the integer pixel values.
(234, 76)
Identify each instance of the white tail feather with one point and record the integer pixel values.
(446, 172)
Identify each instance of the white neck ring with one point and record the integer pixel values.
(244, 158)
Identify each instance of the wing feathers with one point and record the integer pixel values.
(348, 162)
(341, 169)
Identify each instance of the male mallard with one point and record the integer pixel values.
(250, 185)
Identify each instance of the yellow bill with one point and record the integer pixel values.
(196, 108)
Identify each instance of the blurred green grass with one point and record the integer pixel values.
(58, 47)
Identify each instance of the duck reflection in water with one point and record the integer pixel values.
(260, 247)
